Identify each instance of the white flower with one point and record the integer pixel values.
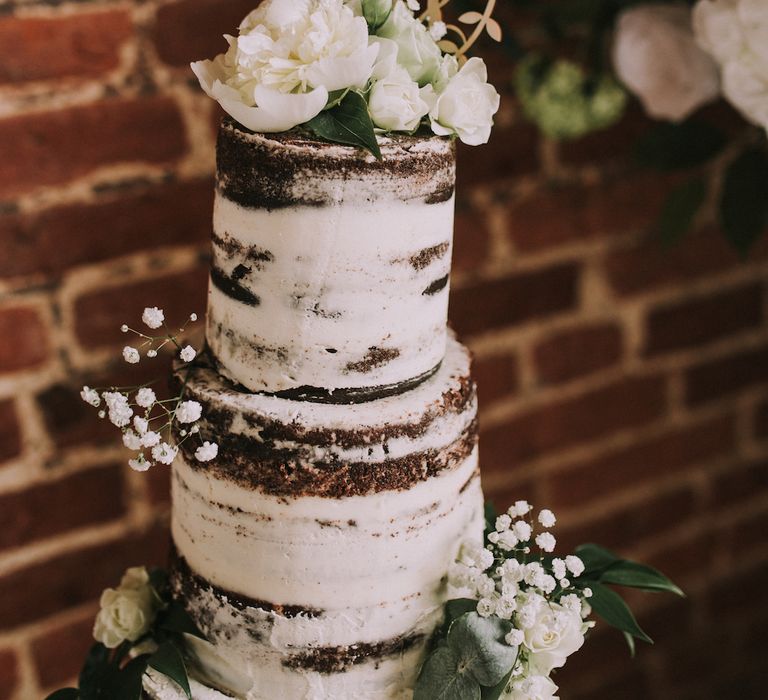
(90, 396)
(207, 451)
(555, 634)
(145, 397)
(520, 509)
(532, 688)
(164, 453)
(546, 541)
(127, 612)
(533, 573)
(141, 425)
(503, 522)
(193, 317)
(288, 56)
(507, 540)
(119, 411)
(493, 537)
(188, 353)
(558, 568)
(153, 317)
(484, 585)
(437, 30)
(735, 32)
(574, 564)
(124, 328)
(131, 440)
(150, 439)
(417, 51)
(505, 607)
(546, 583)
(547, 518)
(140, 464)
(513, 571)
(413, 5)
(587, 592)
(571, 602)
(656, 56)
(514, 638)
(522, 530)
(486, 607)
(131, 355)
(188, 412)
(485, 559)
(151, 353)
(396, 103)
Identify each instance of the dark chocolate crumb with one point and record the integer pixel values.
(232, 288)
(428, 255)
(436, 286)
(374, 358)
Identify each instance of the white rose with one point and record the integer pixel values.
(656, 56)
(135, 578)
(126, 613)
(396, 103)
(467, 105)
(417, 52)
(554, 635)
(532, 688)
(288, 56)
(717, 28)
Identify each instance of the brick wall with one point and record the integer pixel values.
(622, 384)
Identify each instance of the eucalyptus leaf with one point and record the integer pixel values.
(348, 123)
(679, 146)
(744, 205)
(440, 679)
(480, 646)
(496, 692)
(611, 607)
(168, 661)
(454, 609)
(595, 558)
(680, 208)
(634, 575)
(376, 12)
(64, 694)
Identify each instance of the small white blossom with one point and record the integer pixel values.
(102, 414)
(519, 509)
(575, 565)
(90, 396)
(188, 412)
(150, 439)
(187, 353)
(413, 5)
(131, 355)
(153, 317)
(438, 30)
(151, 353)
(509, 589)
(140, 464)
(140, 424)
(546, 541)
(164, 453)
(505, 607)
(503, 522)
(565, 583)
(587, 592)
(546, 583)
(571, 602)
(145, 397)
(522, 530)
(119, 411)
(532, 573)
(131, 440)
(485, 560)
(124, 328)
(486, 607)
(508, 540)
(194, 430)
(484, 585)
(513, 571)
(193, 317)
(514, 638)
(207, 451)
(547, 518)
(558, 568)
(458, 575)
(493, 537)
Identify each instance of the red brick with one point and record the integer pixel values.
(71, 579)
(48, 148)
(84, 498)
(741, 593)
(59, 653)
(739, 485)
(100, 314)
(675, 451)
(648, 265)
(624, 404)
(728, 375)
(566, 213)
(691, 323)
(634, 684)
(190, 30)
(515, 299)
(471, 242)
(576, 352)
(761, 420)
(159, 485)
(172, 214)
(9, 674)
(83, 45)
(10, 431)
(496, 377)
(23, 340)
(748, 535)
(672, 619)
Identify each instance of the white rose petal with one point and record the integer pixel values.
(555, 634)
(153, 317)
(532, 688)
(396, 103)
(417, 51)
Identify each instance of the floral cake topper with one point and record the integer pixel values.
(345, 69)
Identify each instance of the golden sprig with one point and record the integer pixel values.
(482, 21)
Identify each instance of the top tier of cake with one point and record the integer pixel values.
(330, 269)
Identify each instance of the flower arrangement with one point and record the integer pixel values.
(146, 422)
(521, 611)
(675, 57)
(345, 69)
(139, 628)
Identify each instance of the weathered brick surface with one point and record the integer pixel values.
(81, 45)
(84, 498)
(10, 431)
(23, 339)
(497, 377)
(51, 148)
(471, 240)
(728, 375)
(58, 653)
(9, 673)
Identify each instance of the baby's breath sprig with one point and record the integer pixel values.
(147, 422)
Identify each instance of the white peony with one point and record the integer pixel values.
(126, 612)
(417, 52)
(554, 635)
(656, 56)
(396, 103)
(735, 32)
(288, 56)
(467, 104)
(531, 688)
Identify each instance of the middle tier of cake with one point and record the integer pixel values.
(312, 552)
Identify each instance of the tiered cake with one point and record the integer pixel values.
(312, 551)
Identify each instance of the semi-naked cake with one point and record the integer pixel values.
(312, 551)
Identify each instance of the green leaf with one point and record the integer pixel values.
(634, 575)
(441, 679)
(595, 558)
(168, 661)
(496, 692)
(95, 672)
(376, 12)
(349, 123)
(177, 620)
(158, 579)
(335, 98)
(744, 206)
(127, 685)
(680, 208)
(490, 517)
(611, 607)
(64, 694)
(630, 643)
(679, 146)
(454, 609)
(480, 646)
